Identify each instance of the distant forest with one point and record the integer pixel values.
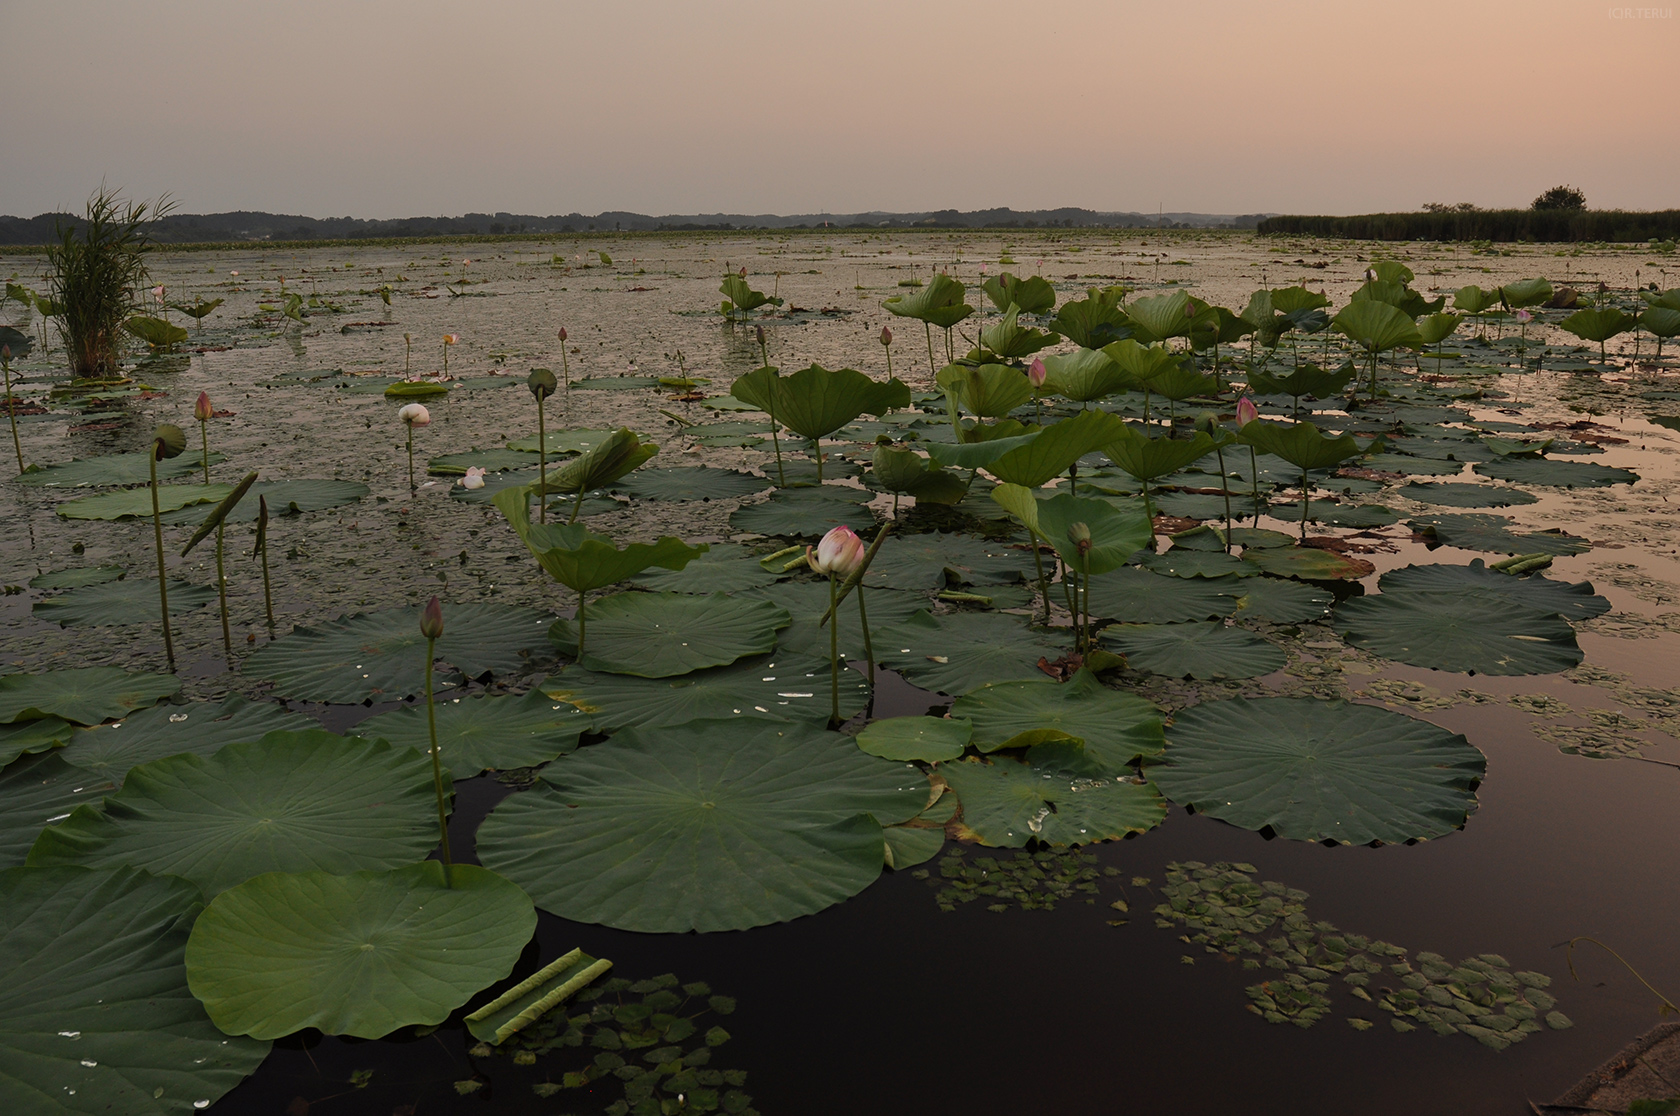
(1547, 226)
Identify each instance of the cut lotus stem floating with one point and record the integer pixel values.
(412, 415)
(535, 996)
(541, 383)
(261, 550)
(431, 626)
(167, 441)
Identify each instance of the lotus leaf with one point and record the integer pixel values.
(725, 568)
(1279, 601)
(1554, 474)
(1473, 531)
(806, 511)
(981, 452)
(1307, 562)
(620, 454)
(940, 303)
(1116, 530)
(1116, 727)
(1056, 448)
(1140, 596)
(1008, 339)
(1458, 495)
(742, 297)
(989, 391)
(727, 825)
(484, 732)
(1311, 770)
(1525, 292)
(155, 332)
(1149, 458)
(120, 602)
(1195, 650)
(582, 560)
(115, 469)
(77, 576)
(1007, 804)
(807, 601)
(1033, 295)
(927, 739)
(954, 654)
(816, 401)
(1377, 326)
(293, 497)
(39, 790)
(1181, 562)
(701, 483)
(558, 443)
(132, 503)
(29, 737)
(1140, 364)
(1473, 631)
(1095, 320)
(919, 562)
(1161, 316)
(791, 688)
(1473, 300)
(415, 389)
(1083, 375)
(110, 751)
(83, 695)
(1307, 379)
(1572, 601)
(661, 635)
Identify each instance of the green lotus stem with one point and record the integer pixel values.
(11, 410)
(157, 536)
(889, 359)
(411, 489)
(1225, 490)
(1043, 582)
(1667, 1006)
(204, 446)
(964, 598)
(577, 505)
(437, 770)
(776, 442)
(221, 593)
(408, 353)
(816, 452)
(834, 654)
(1254, 478)
(1067, 596)
(582, 624)
(565, 370)
(542, 462)
(1085, 599)
(868, 647)
(268, 594)
(928, 328)
(1306, 502)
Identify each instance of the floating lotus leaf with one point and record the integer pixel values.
(1198, 563)
(290, 802)
(1414, 466)
(799, 512)
(1139, 596)
(1454, 495)
(807, 602)
(927, 739)
(919, 562)
(1279, 601)
(1308, 563)
(1056, 448)
(77, 576)
(989, 391)
(725, 568)
(1311, 770)
(1472, 531)
(661, 635)
(908, 846)
(1339, 515)
(120, 602)
(1573, 601)
(558, 443)
(28, 737)
(1555, 474)
(954, 654)
(291, 497)
(484, 732)
(1196, 650)
(202, 728)
(360, 954)
(1473, 630)
(95, 1013)
(415, 389)
(493, 460)
(84, 695)
(1116, 727)
(940, 303)
(615, 383)
(723, 826)
(39, 790)
(698, 483)
(789, 688)
(382, 654)
(115, 469)
(131, 503)
(1006, 804)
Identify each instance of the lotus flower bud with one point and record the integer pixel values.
(202, 411)
(886, 336)
(541, 382)
(451, 338)
(1370, 275)
(743, 271)
(168, 441)
(1036, 373)
(1208, 423)
(474, 478)
(415, 414)
(1524, 316)
(760, 331)
(6, 353)
(838, 554)
(562, 335)
(431, 619)
(1079, 534)
(1247, 412)
(234, 273)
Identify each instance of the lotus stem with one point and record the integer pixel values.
(11, 409)
(565, 370)
(204, 447)
(163, 589)
(1254, 479)
(1666, 1007)
(1225, 490)
(776, 440)
(816, 452)
(834, 654)
(268, 593)
(542, 462)
(411, 489)
(577, 506)
(583, 623)
(1043, 582)
(889, 359)
(408, 353)
(446, 358)
(221, 593)
(1306, 502)
(868, 646)
(1067, 584)
(927, 328)
(1085, 600)
(437, 770)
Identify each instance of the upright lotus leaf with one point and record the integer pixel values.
(940, 303)
(1438, 327)
(1669, 299)
(757, 388)
(1301, 444)
(199, 310)
(816, 401)
(155, 332)
(1474, 300)
(1660, 321)
(1304, 379)
(360, 954)
(1034, 295)
(95, 1013)
(1218, 326)
(1095, 320)
(1118, 531)
(581, 560)
(1293, 300)
(1058, 796)
(615, 457)
(1010, 340)
(1525, 292)
(1116, 727)
(1148, 459)
(1180, 380)
(203, 728)
(742, 297)
(1311, 770)
(906, 471)
(979, 451)
(1160, 317)
(1056, 448)
(661, 635)
(726, 825)
(1140, 363)
(81, 695)
(1399, 296)
(1598, 324)
(989, 391)
(1084, 375)
(1376, 326)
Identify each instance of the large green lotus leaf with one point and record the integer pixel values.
(1526, 292)
(807, 602)
(723, 825)
(1312, 770)
(1308, 379)
(817, 401)
(697, 483)
(1140, 363)
(485, 732)
(1147, 458)
(953, 654)
(1180, 381)
(1413, 466)
(661, 635)
(290, 802)
(1012, 341)
(1159, 317)
(203, 728)
(1301, 444)
(1598, 323)
(1279, 601)
(1554, 474)
(756, 389)
(725, 568)
(76, 577)
(1573, 601)
(1180, 562)
(582, 560)
(1474, 531)
(1661, 321)
(908, 846)
(29, 737)
(1084, 375)
(790, 688)
(979, 454)
(1033, 295)
(95, 1013)
(558, 443)
(1473, 299)
(940, 303)
(1459, 495)
(39, 790)
(1095, 320)
(1056, 448)
(620, 454)
(120, 602)
(1470, 631)
(290, 497)
(1006, 804)
(1140, 596)
(1197, 650)
(382, 654)
(989, 391)
(1377, 326)
(1306, 562)
(85, 695)
(1118, 528)
(359, 954)
(134, 502)
(1438, 327)
(806, 511)
(1338, 515)
(493, 460)
(925, 739)
(116, 469)
(594, 503)
(1116, 727)
(920, 562)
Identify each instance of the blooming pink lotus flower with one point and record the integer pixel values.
(1247, 412)
(157, 294)
(414, 414)
(233, 273)
(838, 554)
(1524, 316)
(474, 478)
(451, 338)
(1036, 373)
(202, 410)
(1370, 275)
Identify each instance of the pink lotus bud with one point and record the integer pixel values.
(431, 619)
(202, 411)
(1036, 373)
(1370, 275)
(466, 263)
(1524, 316)
(6, 353)
(743, 272)
(415, 414)
(886, 336)
(760, 330)
(562, 335)
(1247, 412)
(451, 338)
(838, 554)
(474, 478)
(233, 273)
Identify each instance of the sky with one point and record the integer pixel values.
(389, 109)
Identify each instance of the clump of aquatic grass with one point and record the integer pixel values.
(98, 265)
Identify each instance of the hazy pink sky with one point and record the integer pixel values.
(677, 106)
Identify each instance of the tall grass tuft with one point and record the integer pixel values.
(98, 266)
